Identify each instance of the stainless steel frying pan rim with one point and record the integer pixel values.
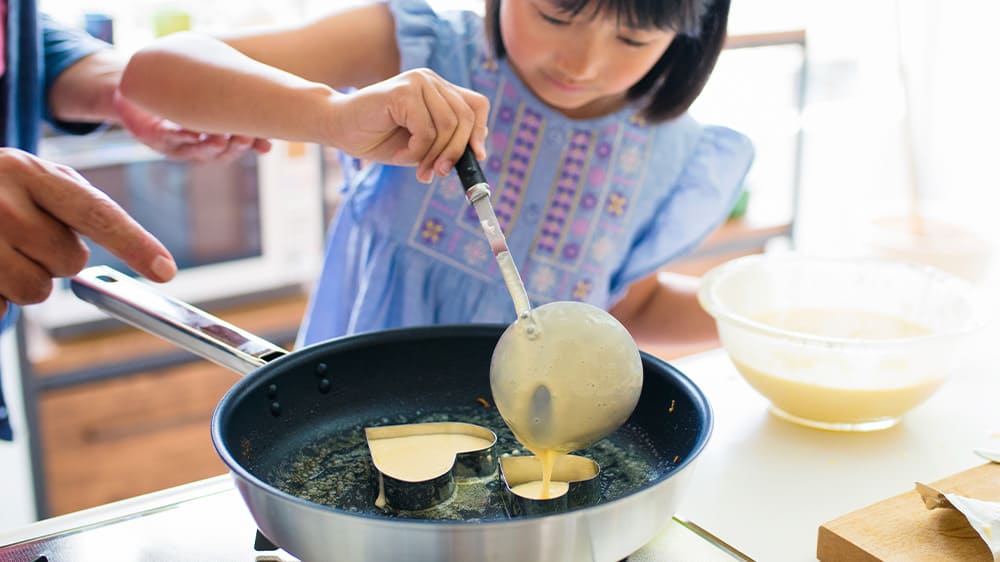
(246, 384)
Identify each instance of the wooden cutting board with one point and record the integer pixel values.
(901, 528)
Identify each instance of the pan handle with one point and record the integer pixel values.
(191, 328)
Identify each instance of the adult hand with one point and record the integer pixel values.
(179, 143)
(44, 210)
(414, 118)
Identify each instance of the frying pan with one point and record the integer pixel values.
(291, 434)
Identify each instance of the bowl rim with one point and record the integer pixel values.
(709, 302)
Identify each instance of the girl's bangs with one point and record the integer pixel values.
(682, 16)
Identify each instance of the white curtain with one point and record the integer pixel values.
(872, 137)
(950, 73)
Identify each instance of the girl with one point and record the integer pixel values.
(599, 175)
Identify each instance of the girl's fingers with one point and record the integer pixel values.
(458, 136)
(408, 112)
(480, 106)
(443, 123)
(414, 119)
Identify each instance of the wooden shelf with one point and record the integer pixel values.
(744, 231)
(735, 238)
(766, 39)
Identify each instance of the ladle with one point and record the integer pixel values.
(563, 375)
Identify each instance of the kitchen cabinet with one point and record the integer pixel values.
(114, 439)
(137, 417)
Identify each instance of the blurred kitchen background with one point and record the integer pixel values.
(861, 112)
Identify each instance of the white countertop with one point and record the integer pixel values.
(765, 485)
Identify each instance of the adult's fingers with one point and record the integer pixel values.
(28, 231)
(237, 146)
(261, 146)
(22, 279)
(87, 210)
(199, 148)
(214, 148)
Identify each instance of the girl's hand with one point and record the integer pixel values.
(179, 143)
(415, 118)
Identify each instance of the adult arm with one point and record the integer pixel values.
(81, 80)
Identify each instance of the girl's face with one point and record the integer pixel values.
(581, 65)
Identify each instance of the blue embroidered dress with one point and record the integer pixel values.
(588, 206)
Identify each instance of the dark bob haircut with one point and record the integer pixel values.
(672, 85)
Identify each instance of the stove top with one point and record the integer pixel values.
(210, 523)
(207, 520)
(267, 551)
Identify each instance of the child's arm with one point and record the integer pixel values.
(281, 84)
(662, 313)
(355, 47)
(80, 84)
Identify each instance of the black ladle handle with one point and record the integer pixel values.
(468, 170)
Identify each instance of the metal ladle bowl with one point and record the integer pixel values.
(565, 376)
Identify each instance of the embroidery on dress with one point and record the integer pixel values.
(557, 224)
(599, 175)
(516, 167)
(448, 230)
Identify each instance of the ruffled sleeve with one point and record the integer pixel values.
(444, 42)
(704, 195)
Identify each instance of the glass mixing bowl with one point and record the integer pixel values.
(841, 344)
